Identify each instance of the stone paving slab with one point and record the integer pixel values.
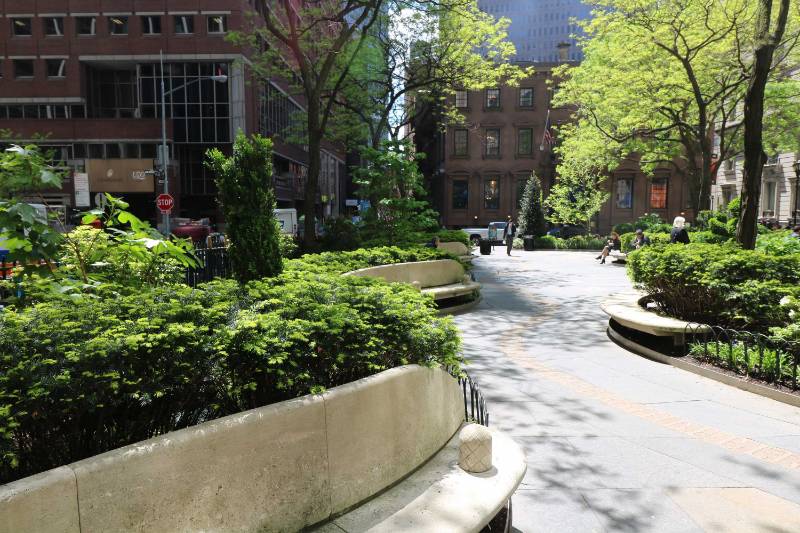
(615, 442)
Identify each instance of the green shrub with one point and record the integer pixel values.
(585, 242)
(99, 373)
(244, 181)
(454, 235)
(549, 242)
(656, 239)
(717, 284)
(288, 246)
(340, 234)
(778, 243)
(626, 227)
(766, 363)
(531, 215)
(340, 262)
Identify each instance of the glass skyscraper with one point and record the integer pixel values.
(538, 26)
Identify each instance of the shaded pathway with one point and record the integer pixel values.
(615, 442)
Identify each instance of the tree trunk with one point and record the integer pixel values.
(754, 156)
(312, 181)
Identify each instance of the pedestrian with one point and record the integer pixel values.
(433, 243)
(796, 232)
(613, 243)
(679, 233)
(641, 240)
(510, 232)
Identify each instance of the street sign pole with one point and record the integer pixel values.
(164, 153)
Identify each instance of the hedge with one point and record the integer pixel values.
(717, 284)
(80, 379)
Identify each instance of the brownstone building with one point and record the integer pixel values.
(486, 160)
(86, 74)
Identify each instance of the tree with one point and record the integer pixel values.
(531, 215)
(248, 203)
(576, 199)
(696, 47)
(315, 44)
(768, 36)
(423, 53)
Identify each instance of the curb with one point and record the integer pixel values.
(460, 308)
(727, 379)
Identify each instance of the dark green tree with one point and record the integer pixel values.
(248, 203)
(531, 215)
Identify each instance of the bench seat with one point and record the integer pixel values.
(618, 255)
(440, 497)
(452, 290)
(625, 310)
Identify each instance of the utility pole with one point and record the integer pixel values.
(164, 153)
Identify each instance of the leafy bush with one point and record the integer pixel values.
(766, 363)
(549, 242)
(578, 242)
(288, 246)
(717, 284)
(332, 262)
(454, 235)
(340, 234)
(80, 379)
(626, 227)
(248, 201)
(778, 243)
(656, 239)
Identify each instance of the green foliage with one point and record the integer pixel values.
(531, 215)
(340, 262)
(576, 196)
(80, 379)
(717, 284)
(24, 231)
(340, 234)
(656, 239)
(625, 227)
(778, 243)
(652, 223)
(288, 246)
(765, 362)
(578, 242)
(248, 202)
(454, 235)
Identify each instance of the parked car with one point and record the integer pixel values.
(565, 231)
(497, 231)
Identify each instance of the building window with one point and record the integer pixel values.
(54, 26)
(770, 198)
(624, 193)
(217, 24)
(491, 193)
(56, 68)
(151, 25)
(460, 142)
(658, 193)
(493, 142)
(728, 194)
(526, 97)
(462, 99)
(85, 25)
(22, 27)
(460, 194)
(118, 25)
(23, 68)
(184, 24)
(493, 98)
(525, 141)
(280, 115)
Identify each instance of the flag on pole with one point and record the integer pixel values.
(547, 136)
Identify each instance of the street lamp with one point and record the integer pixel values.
(796, 213)
(221, 78)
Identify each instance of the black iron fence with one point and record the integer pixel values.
(214, 263)
(474, 403)
(745, 353)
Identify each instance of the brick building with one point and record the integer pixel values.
(484, 162)
(86, 74)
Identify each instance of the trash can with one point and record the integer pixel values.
(486, 247)
(527, 242)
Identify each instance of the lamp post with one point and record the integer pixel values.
(164, 158)
(796, 207)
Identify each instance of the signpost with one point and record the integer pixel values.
(165, 203)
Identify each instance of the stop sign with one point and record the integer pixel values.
(165, 202)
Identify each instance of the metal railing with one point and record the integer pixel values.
(474, 403)
(745, 353)
(214, 263)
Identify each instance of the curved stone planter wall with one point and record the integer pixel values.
(442, 279)
(277, 468)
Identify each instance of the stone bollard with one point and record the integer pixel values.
(467, 279)
(417, 285)
(475, 450)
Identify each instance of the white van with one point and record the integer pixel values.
(287, 220)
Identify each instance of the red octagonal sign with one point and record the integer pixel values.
(165, 202)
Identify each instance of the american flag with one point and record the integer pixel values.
(547, 137)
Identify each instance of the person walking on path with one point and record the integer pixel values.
(510, 232)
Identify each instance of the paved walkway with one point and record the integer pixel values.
(616, 442)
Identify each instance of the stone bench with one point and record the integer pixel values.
(314, 461)
(457, 248)
(618, 255)
(626, 310)
(443, 279)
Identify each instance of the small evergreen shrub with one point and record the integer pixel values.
(531, 216)
(340, 234)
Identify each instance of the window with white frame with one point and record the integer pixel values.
(56, 68)
(22, 26)
(462, 99)
(217, 23)
(118, 25)
(769, 199)
(184, 24)
(54, 26)
(151, 25)
(85, 26)
(493, 98)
